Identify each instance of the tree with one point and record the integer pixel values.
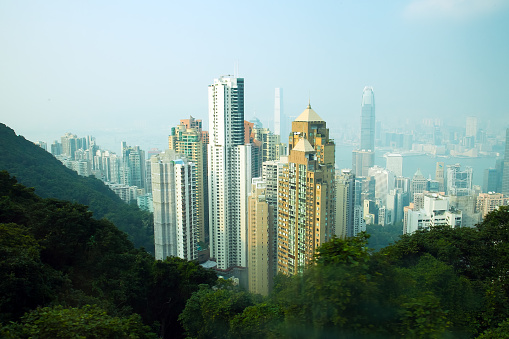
(85, 322)
(208, 312)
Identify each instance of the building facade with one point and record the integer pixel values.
(187, 139)
(306, 202)
(174, 205)
(259, 233)
(229, 173)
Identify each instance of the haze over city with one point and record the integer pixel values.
(129, 70)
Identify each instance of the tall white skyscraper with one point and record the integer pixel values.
(174, 200)
(278, 108)
(229, 173)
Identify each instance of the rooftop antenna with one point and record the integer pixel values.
(236, 69)
(309, 99)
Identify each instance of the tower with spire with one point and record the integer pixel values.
(306, 203)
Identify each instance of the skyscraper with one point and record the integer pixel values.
(367, 145)
(174, 201)
(229, 173)
(345, 203)
(394, 163)
(259, 232)
(368, 119)
(471, 127)
(459, 182)
(278, 107)
(187, 139)
(306, 205)
(133, 166)
(419, 184)
(440, 176)
(505, 171)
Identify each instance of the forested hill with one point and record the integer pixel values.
(64, 274)
(34, 167)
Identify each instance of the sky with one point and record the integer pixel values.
(130, 70)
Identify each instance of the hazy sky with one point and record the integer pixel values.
(132, 69)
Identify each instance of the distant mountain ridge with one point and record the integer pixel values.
(34, 167)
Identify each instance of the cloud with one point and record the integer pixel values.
(453, 9)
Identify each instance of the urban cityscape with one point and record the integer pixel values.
(245, 202)
(289, 169)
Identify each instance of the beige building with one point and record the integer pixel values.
(306, 206)
(259, 234)
(488, 202)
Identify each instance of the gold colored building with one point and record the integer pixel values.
(187, 139)
(259, 234)
(306, 197)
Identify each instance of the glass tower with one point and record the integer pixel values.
(368, 120)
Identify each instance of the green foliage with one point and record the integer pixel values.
(263, 320)
(383, 236)
(25, 281)
(174, 281)
(84, 322)
(208, 311)
(423, 318)
(61, 255)
(34, 167)
(499, 332)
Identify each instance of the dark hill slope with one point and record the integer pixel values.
(34, 167)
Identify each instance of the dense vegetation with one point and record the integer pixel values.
(62, 271)
(34, 167)
(444, 283)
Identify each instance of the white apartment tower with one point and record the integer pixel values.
(277, 110)
(229, 173)
(174, 200)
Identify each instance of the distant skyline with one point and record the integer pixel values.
(130, 70)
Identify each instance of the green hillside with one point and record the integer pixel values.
(65, 274)
(34, 167)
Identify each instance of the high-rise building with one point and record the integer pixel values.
(362, 161)
(69, 145)
(187, 139)
(259, 231)
(419, 184)
(133, 166)
(278, 109)
(471, 127)
(306, 207)
(368, 119)
(229, 173)
(505, 170)
(271, 171)
(384, 182)
(440, 176)
(270, 147)
(345, 203)
(56, 148)
(174, 204)
(488, 202)
(490, 180)
(459, 182)
(394, 163)
(364, 158)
